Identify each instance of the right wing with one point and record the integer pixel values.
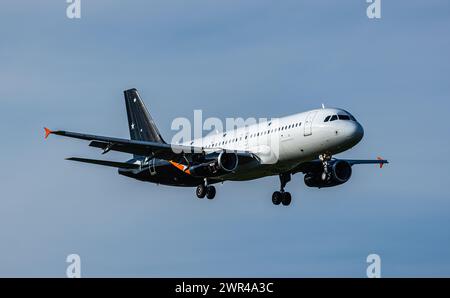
(143, 148)
(146, 148)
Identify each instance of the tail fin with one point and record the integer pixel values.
(142, 127)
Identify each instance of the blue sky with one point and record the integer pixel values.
(231, 59)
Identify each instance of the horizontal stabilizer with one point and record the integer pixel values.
(114, 164)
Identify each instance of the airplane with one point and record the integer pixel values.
(301, 143)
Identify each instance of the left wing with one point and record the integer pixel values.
(379, 161)
(316, 165)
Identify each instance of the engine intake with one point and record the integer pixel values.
(215, 165)
(228, 161)
(340, 172)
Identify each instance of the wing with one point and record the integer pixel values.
(144, 148)
(379, 161)
(316, 165)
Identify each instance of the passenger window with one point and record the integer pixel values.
(327, 118)
(333, 118)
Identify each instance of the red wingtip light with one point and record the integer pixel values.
(381, 164)
(47, 132)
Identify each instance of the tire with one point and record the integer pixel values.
(210, 192)
(286, 200)
(200, 191)
(276, 198)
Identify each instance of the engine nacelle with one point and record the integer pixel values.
(215, 165)
(339, 171)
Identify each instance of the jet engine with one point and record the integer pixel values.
(338, 172)
(215, 165)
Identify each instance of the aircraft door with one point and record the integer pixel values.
(309, 122)
(246, 139)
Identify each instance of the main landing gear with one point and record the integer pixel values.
(205, 190)
(282, 196)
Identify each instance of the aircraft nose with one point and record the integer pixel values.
(356, 132)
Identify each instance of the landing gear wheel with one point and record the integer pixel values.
(276, 198)
(325, 159)
(286, 199)
(201, 191)
(210, 192)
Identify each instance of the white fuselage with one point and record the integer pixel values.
(282, 143)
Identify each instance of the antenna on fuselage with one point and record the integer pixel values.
(323, 106)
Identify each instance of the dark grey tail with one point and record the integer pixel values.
(141, 125)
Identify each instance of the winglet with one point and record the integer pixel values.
(47, 132)
(381, 163)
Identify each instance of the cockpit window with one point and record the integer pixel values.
(350, 115)
(344, 117)
(327, 118)
(333, 118)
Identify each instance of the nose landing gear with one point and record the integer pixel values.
(282, 196)
(325, 158)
